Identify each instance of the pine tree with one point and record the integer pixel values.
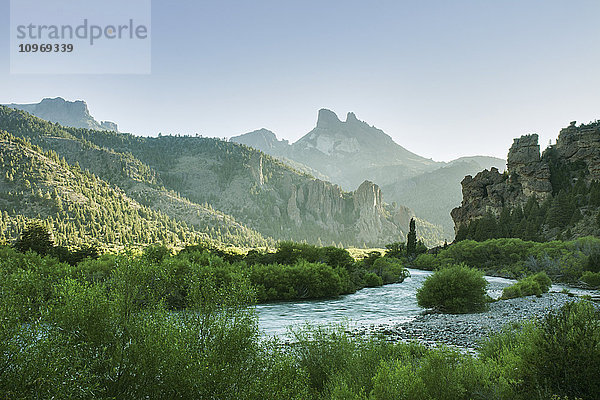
(35, 237)
(411, 239)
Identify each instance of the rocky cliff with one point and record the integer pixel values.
(574, 158)
(581, 144)
(489, 191)
(361, 213)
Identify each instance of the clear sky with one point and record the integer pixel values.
(444, 78)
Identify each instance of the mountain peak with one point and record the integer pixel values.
(351, 117)
(67, 113)
(327, 118)
(261, 139)
(78, 106)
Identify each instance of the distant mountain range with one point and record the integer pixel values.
(181, 188)
(348, 152)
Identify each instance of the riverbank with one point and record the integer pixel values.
(468, 330)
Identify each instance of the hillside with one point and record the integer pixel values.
(555, 195)
(348, 152)
(132, 179)
(174, 174)
(79, 207)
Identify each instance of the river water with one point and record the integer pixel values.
(386, 305)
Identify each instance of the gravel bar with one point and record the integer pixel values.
(467, 330)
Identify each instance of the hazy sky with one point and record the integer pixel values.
(444, 78)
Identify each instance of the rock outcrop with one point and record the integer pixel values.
(73, 114)
(109, 126)
(527, 169)
(489, 191)
(360, 215)
(581, 144)
(372, 219)
(529, 174)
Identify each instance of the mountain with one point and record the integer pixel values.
(183, 176)
(132, 189)
(80, 208)
(73, 114)
(348, 152)
(555, 195)
(263, 140)
(484, 162)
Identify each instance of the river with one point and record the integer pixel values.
(385, 305)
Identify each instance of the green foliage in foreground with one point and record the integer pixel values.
(558, 356)
(515, 258)
(454, 289)
(529, 286)
(163, 326)
(108, 336)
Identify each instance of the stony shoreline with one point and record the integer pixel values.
(467, 330)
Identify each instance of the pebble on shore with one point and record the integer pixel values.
(466, 331)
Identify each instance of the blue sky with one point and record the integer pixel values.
(444, 78)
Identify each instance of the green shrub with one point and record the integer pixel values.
(390, 270)
(426, 262)
(564, 353)
(591, 278)
(302, 280)
(454, 289)
(529, 286)
(372, 280)
(564, 261)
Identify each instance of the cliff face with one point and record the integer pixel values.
(581, 144)
(576, 154)
(361, 216)
(489, 191)
(527, 170)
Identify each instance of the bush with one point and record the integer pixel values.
(454, 289)
(372, 280)
(591, 278)
(426, 262)
(390, 270)
(529, 286)
(302, 280)
(563, 355)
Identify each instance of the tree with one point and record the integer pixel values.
(35, 237)
(411, 239)
(396, 249)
